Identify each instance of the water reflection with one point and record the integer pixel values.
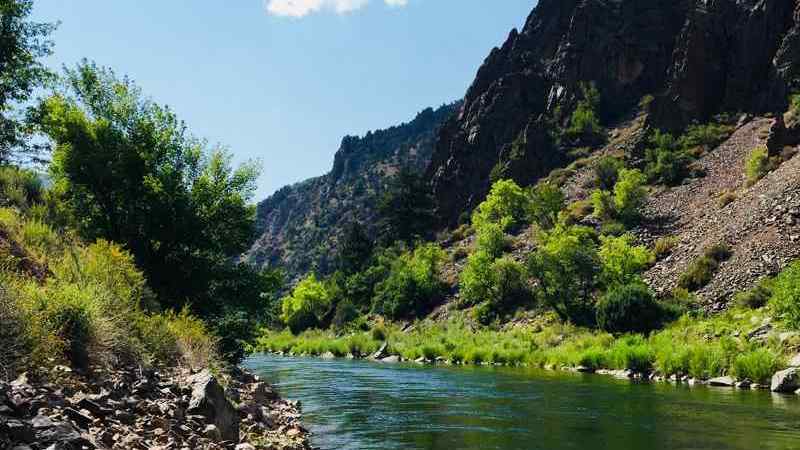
(361, 405)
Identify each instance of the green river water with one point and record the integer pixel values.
(366, 405)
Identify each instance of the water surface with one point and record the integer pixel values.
(365, 405)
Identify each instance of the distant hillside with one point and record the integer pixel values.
(693, 58)
(299, 225)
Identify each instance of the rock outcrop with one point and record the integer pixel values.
(145, 409)
(299, 225)
(696, 58)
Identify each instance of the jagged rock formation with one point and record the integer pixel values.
(696, 58)
(300, 224)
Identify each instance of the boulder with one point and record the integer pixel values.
(722, 382)
(208, 400)
(786, 381)
(263, 393)
(391, 359)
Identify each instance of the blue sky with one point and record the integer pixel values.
(284, 80)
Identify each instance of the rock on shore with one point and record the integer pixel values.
(149, 410)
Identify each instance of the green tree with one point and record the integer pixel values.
(128, 171)
(629, 308)
(413, 284)
(355, 248)
(630, 195)
(307, 305)
(23, 44)
(584, 124)
(546, 202)
(621, 261)
(566, 267)
(406, 209)
(506, 205)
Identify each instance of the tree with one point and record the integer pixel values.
(355, 248)
(22, 45)
(406, 209)
(413, 284)
(629, 308)
(630, 195)
(621, 261)
(308, 304)
(506, 205)
(547, 201)
(129, 171)
(566, 267)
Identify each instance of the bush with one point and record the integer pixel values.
(629, 195)
(475, 279)
(613, 228)
(506, 205)
(20, 187)
(576, 212)
(413, 284)
(664, 246)
(606, 172)
(584, 125)
(603, 205)
(726, 198)
(757, 366)
(758, 165)
(307, 305)
(345, 313)
(666, 162)
(492, 239)
(706, 135)
(546, 203)
(785, 301)
(621, 261)
(629, 308)
(755, 298)
(196, 345)
(703, 269)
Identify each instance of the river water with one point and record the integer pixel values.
(365, 405)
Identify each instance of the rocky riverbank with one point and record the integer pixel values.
(145, 409)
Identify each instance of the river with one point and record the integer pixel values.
(364, 405)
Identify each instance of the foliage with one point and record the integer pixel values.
(307, 305)
(129, 172)
(576, 212)
(345, 313)
(546, 202)
(785, 301)
(758, 165)
(355, 248)
(668, 159)
(475, 279)
(566, 266)
(506, 205)
(491, 239)
(757, 366)
(703, 269)
(584, 124)
(625, 202)
(413, 284)
(754, 298)
(629, 195)
(621, 261)
(664, 246)
(629, 308)
(606, 172)
(406, 208)
(23, 45)
(20, 188)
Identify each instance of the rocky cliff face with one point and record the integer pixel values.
(695, 57)
(300, 224)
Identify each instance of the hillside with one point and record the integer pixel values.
(695, 58)
(299, 225)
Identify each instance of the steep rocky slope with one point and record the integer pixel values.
(695, 57)
(299, 225)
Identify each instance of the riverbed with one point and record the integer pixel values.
(354, 404)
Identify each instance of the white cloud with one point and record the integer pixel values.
(302, 8)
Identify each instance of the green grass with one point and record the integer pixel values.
(702, 348)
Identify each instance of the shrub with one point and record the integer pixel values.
(508, 284)
(603, 205)
(566, 266)
(584, 125)
(506, 205)
(629, 308)
(758, 165)
(613, 228)
(726, 198)
(703, 269)
(13, 334)
(666, 162)
(20, 187)
(196, 345)
(345, 313)
(413, 284)
(754, 298)
(665, 246)
(492, 239)
(307, 305)
(576, 212)
(475, 279)
(785, 301)
(235, 329)
(756, 365)
(546, 203)
(705, 135)
(621, 261)
(606, 172)
(629, 195)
